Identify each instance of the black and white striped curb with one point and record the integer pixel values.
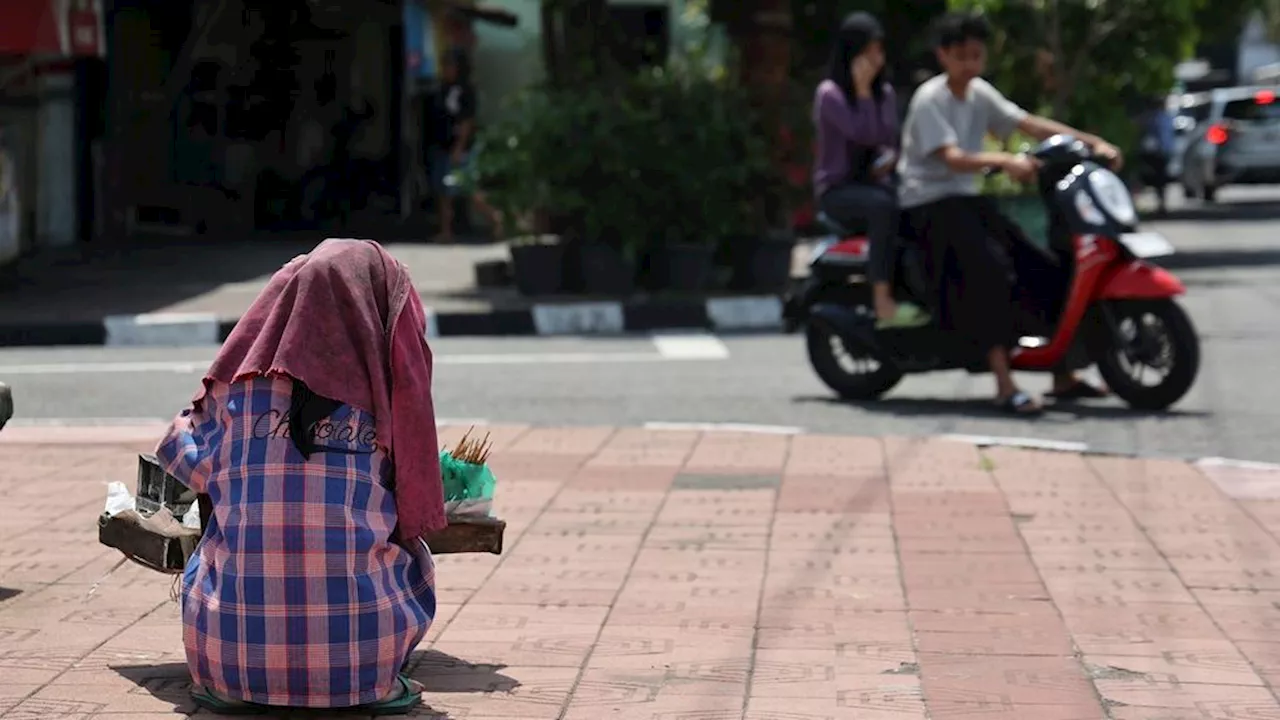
(719, 314)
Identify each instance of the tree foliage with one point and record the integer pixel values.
(1221, 21)
(1089, 63)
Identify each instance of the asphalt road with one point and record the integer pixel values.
(1229, 257)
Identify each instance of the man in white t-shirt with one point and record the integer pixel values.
(963, 232)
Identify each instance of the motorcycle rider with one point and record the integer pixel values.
(963, 233)
(855, 114)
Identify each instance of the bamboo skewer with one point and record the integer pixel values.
(469, 450)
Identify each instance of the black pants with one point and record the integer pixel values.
(982, 270)
(873, 208)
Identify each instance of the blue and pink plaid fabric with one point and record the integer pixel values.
(297, 595)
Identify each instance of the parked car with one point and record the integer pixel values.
(1227, 136)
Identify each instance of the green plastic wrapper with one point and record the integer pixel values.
(468, 488)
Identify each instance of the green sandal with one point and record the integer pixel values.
(909, 315)
(401, 704)
(213, 703)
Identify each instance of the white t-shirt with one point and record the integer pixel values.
(937, 118)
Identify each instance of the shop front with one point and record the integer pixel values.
(48, 50)
(232, 116)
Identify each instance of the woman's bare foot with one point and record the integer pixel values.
(886, 309)
(882, 297)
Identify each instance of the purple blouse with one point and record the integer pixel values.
(842, 125)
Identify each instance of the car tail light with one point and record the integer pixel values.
(1264, 97)
(1217, 135)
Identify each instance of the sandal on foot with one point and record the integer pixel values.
(1079, 390)
(908, 315)
(1020, 403)
(400, 704)
(225, 706)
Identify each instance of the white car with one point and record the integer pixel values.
(1227, 136)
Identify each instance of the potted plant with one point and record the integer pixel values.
(705, 159)
(537, 264)
(509, 167)
(761, 246)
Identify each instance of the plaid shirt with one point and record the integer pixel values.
(296, 596)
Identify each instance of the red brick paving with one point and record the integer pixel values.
(675, 575)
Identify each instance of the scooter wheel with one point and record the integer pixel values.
(1150, 339)
(866, 380)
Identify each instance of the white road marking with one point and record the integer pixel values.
(1237, 464)
(690, 346)
(188, 367)
(177, 367)
(459, 422)
(54, 422)
(726, 427)
(1021, 442)
(162, 329)
(85, 422)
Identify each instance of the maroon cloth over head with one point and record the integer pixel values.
(346, 320)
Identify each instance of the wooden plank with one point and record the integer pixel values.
(468, 535)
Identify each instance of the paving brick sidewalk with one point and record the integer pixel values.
(685, 576)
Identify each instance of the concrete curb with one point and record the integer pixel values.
(612, 317)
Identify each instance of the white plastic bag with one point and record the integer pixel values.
(471, 507)
(192, 517)
(119, 499)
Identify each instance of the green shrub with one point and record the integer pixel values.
(668, 154)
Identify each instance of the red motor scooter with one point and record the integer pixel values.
(1113, 309)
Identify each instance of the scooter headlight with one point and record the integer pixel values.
(1088, 209)
(1111, 194)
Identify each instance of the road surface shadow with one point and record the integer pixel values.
(983, 408)
(1220, 258)
(83, 285)
(437, 671)
(1245, 210)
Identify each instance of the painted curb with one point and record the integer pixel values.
(718, 314)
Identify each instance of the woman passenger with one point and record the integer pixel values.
(856, 116)
(313, 437)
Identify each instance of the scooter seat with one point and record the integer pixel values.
(840, 229)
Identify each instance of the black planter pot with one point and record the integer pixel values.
(604, 270)
(762, 263)
(683, 267)
(538, 268)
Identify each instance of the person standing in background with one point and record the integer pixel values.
(1157, 149)
(10, 207)
(455, 128)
